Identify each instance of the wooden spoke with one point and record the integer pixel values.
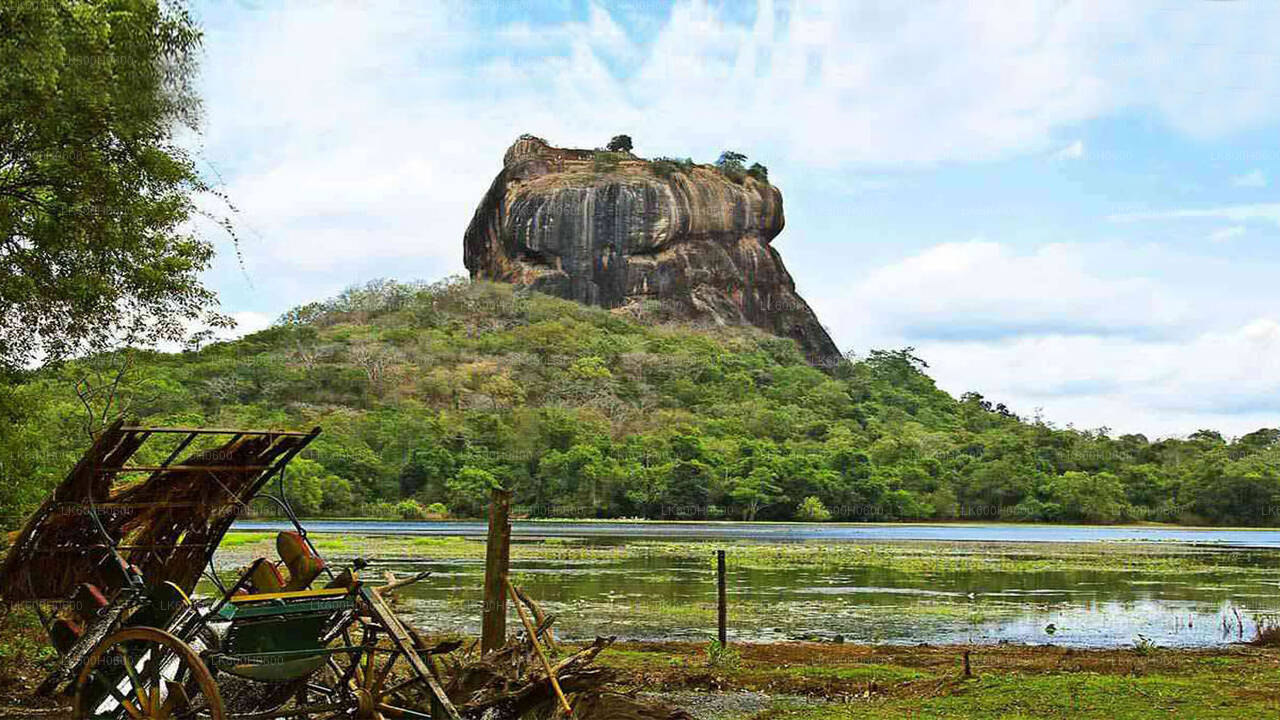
(174, 683)
(115, 694)
(386, 671)
(138, 690)
(176, 699)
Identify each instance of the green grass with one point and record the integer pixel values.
(861, 673)
(239, 539)
(1017, 697)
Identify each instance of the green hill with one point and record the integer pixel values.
(431, 393)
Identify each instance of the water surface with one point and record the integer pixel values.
(992, 583)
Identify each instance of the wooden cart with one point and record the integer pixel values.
(111, 562)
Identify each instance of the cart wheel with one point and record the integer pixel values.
(146, 673)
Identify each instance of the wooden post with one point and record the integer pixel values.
(497, 558)
(722, 604)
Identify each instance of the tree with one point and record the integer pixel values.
(755, 491)
(812, 510)
(619, 143)
(759, 172)
(95, 194)
(469, 491)
(732, 165)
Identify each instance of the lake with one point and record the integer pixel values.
(1066, 585)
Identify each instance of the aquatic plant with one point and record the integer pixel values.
(723, 657)
(1143, 645)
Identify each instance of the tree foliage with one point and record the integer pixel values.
(95, 193)
(584, 413)
(619, 143)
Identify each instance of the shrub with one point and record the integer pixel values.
(812, 510)
(723, 657)
(665, 167)
(411, 510)
(759, 172)
(731, 165)
(603, 161)
(438, 509)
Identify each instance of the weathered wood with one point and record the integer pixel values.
(394, 583)
(585, 655)
(537, 648)
(493, 629)
(540, 618)
(404, 642)
(722, 600)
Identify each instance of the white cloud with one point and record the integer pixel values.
(356, 141)
(1261, 212)
(1226, 233)
(987, 290)
(1228, 380)
(1059, 328)
(1074, 151)
(247, 323)
(1253, 179)
(356, 138)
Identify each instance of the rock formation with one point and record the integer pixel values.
(614, 230)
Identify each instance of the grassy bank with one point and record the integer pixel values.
(808, 681)
(803, 681)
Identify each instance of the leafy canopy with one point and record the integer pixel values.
(619, 143)
(95, 193)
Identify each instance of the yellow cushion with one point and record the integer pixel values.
(265, 577)
(304, 565)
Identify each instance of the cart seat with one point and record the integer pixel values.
(303, 563)
(264, 577)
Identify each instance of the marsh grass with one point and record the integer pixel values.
(723, 657)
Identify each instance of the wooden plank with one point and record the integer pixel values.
(497, 559)
(404, 643)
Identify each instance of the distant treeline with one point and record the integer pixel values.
(429, 395)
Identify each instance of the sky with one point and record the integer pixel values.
(1068, 207)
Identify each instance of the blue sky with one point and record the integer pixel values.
(1070, 207)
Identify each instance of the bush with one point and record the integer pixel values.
(602, 161)
(438, 509)
(411, 510)
(665, 167)
(731, 165)
(759, 172)
(723, 657)
(382, 510)
(812, 510)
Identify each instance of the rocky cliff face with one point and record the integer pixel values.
(617, 234)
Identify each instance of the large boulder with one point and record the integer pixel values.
(614, 230)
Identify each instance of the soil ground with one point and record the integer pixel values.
(820, 681)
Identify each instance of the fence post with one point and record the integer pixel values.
(497, 559)
(722, 600)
